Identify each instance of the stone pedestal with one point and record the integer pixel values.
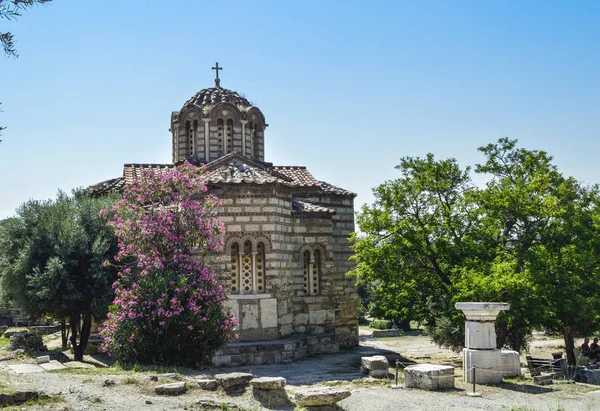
(429, 377)
(511, 363)
(376, 366)
(480, 342)
(488, 364)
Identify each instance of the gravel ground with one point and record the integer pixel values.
(85, 390)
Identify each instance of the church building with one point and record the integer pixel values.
(285, 260)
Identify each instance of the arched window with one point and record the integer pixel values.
(306, 258)
(220, 136)
(250, 139)
(255, 143)
(316, 273)
(248, 267)
(312, 270)
(229, 135)
(260, 267)
(235, 264)
(188, 128)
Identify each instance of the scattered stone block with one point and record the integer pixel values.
(543, 379)
(25, 368)
(26, 341)
(375, 366)
(12, 331)
(209, 385)
(315, 396)
(175, 388)
(386, 333)
(234, 380)
(429, 377)
(79, 365)
(511, 363)
(52, 366)
(217, 405)
(43, 359)
(268, 383)
(590, 376)
(270, 391)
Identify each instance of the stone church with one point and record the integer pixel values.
(285, 259)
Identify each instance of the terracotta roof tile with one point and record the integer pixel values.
(114, 184)
(237, 173)
(304, 207)
(134, 171)
(299, 174)
(233, 170)
(331, 189)
(217, 95)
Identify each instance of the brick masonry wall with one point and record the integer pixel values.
(264, 211)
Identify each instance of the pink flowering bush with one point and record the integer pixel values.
(168, 305)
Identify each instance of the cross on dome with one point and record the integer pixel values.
(217, 80)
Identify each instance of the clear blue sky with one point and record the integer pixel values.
(347, 87)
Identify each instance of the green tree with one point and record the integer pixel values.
(528, 237)
(51, 260)
(415, 240)
(544, 223)
(10, 10)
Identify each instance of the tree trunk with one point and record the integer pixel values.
(64, 333)
(84, 335)
(403, 325)
(501, 333)
(569, 346)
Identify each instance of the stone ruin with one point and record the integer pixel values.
(480, 350)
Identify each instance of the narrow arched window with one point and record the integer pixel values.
(235, 268)
(256, 143)
(307, 269)
(260, 267)
(316, 273)
(247, 269)
(188, 128)
(229, 135)
(250, 139)
(220, 136)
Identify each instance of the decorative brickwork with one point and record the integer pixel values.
(286, 256)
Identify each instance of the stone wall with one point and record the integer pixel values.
(274, 352)
(341, 293)
(264, 212)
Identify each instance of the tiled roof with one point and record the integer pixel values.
(298, 174)
(331, 189)
(217, 95)
(232, 169)
(304, 207)
(114, 184)
(134, 171)
(235, 172)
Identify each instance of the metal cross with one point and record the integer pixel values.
(217, 68)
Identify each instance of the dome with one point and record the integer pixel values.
(217, 95)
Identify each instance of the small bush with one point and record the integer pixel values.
(381, 324)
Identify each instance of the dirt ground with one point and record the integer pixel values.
(132, 390)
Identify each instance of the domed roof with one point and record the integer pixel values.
(217, 95)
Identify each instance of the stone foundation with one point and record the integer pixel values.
(429, 377)
(488, 365)
(275, 352)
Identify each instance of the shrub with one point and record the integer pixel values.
(168, 306)
(381, 324)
